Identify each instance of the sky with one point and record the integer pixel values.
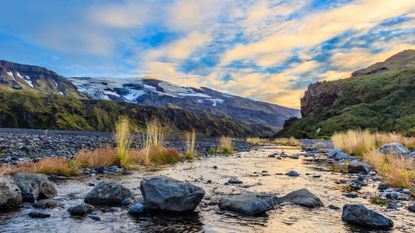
(265, 50)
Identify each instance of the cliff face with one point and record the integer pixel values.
(380, 97)
(319, 95)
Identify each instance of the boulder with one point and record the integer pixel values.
(81, 209)
(108, 193)
(411, 208)
(10, 195)
(360, 215)
(393, 149)
(45, 204)
(165, 193)
(35, 186)
(303, 197)
(249, 203)
(358, 167)
(412, 154)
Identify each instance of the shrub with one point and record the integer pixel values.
(225, 145)
(255, 140)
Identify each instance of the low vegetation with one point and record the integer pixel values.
(358, 142)
(277, 141)
(396, 170)
(190, 144)
(153, 152)
(49, 166)
(225, 145)
(123, 139)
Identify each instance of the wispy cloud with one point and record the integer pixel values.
(263, 49)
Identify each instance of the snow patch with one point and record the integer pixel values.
(111, 93)
(216, 101)
(133, 95)
(10, 74)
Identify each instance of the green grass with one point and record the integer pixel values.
(379, 102)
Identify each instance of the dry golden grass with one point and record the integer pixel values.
(355, 142)
(123, 139)
(190, 144)
(225, 145)
(286, 141)
(359, 142)
(396, 171)
(256, 140)
(49, 166)
(278, 141)
(101, 157)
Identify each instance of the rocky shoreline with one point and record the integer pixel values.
(18, 145)
(261, 189)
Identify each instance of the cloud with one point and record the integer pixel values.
(319, 27)
(128, 15)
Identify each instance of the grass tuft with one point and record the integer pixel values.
(190, 145)
(278, 141)
(101, 157)
(49, 166)
(123, 139)
(225, 145)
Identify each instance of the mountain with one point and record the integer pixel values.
(35, 97)
(380, 97)
(35, 109)
(151, 92)
(18, 76)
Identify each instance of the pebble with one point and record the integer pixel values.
(293, 174)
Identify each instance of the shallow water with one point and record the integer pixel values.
(246, 166)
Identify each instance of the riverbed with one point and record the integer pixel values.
(257, 171)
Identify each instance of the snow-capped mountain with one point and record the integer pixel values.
(204, 100)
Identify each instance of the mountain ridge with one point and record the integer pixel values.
(145, 92)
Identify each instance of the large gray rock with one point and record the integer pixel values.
(249, 203)
(358, 167)
(303, 197)
(165, 193)
(10, 195)
(394, 149)
(360, 215)
(35, 186)
(107, 193)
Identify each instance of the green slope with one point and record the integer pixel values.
(381, 100)
(33, 109)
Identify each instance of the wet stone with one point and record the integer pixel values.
(39, 214)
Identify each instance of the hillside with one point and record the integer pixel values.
(380, 97)
(27, 77)
(157, 93)
(34, 109)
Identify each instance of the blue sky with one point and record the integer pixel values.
(266, 50)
